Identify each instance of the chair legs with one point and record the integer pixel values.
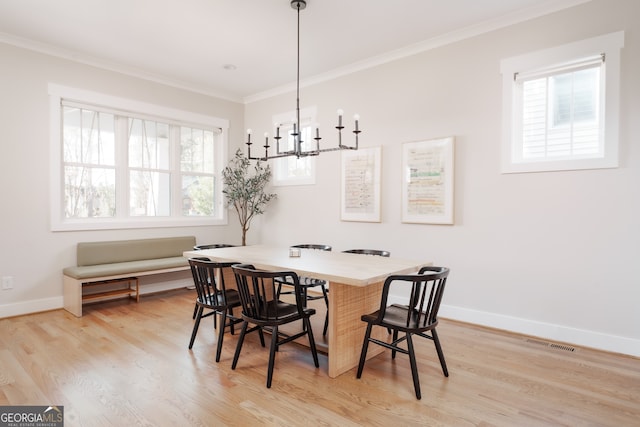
(195, 312)
(363, 353)
(410, 351)
(326, 323)
(272, 355)
(395, 338)
(414, 367)
(436, 341)
(312, 342)
(232, 323)
(326, 316)
(225, 321)
(197, 316)
(273, 347)
(245, 329)
(236, 355)
(325, 295)
(223, 324)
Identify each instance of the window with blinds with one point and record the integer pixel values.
(561, 112)
(560, 107)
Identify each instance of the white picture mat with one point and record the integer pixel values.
(427, 181)
(360, 193)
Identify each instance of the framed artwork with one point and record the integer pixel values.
(361, 185)
(427, 181)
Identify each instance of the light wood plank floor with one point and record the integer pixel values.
(126, 364)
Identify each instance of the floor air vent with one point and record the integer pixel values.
(562, 347)
(551, 345)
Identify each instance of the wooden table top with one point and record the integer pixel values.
(350, 269)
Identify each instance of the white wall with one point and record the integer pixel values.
(29, 252)
(547, 254)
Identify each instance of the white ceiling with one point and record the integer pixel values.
(187, 43)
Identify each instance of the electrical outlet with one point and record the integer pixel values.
(7, 283)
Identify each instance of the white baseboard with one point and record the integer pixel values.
(31, 306)
(54, 303)
(552, 332)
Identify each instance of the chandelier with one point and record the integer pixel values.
(296, 134)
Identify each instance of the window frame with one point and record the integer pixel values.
(128, 107)
(308, 118)
(608, 45)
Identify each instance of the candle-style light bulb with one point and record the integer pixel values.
(340, 113)
(266, 145)
(248, 135)
(277, 125)
(356, 117)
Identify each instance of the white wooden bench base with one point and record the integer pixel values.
(73, 288)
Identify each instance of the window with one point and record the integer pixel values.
(560, 107)
(121, 164)
(291, 170)
(198, 172)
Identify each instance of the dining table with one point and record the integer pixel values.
(355, 282)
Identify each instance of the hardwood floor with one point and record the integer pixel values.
(126, 364)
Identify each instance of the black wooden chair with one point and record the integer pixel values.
(202, 247)
(214, 296)
(375, 252)
(261, 307)
(212, 246)
(311, 282)
(422, 293)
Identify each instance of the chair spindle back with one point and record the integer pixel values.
(209, 280)
(258, 291)
(424, 297)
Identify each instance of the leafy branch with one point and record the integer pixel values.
(245, 191)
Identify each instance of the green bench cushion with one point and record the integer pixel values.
(111, 258)
(129, 267)
(95, 253)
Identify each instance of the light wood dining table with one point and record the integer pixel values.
(355, 283)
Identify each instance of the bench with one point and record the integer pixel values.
(112, 268)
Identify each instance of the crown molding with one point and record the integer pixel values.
(426, 45)
(546, 8)
(58, 52)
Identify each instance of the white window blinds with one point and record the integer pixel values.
(561, 114)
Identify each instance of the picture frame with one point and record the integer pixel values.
(360, 185)
(428, 181)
